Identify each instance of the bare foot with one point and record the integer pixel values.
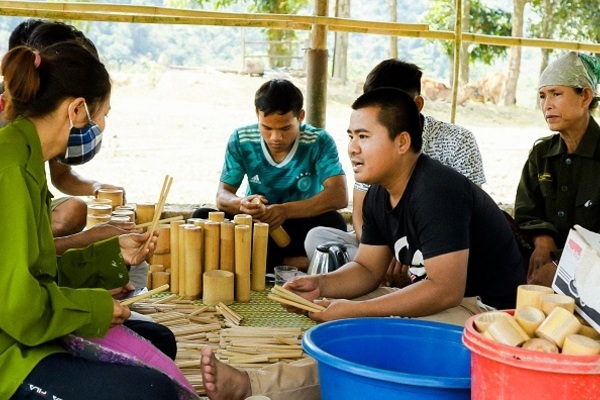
(221, 381)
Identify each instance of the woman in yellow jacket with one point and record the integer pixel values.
(56, 103)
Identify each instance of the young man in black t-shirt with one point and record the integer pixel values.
(424, 214)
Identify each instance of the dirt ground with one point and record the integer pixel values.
(177, 122)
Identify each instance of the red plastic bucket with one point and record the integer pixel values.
(504, 372)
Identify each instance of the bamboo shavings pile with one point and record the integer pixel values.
(196, 326)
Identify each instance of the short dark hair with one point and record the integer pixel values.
(396, 74)
(278, 96)
(398, 112)
(22, 32)
(593, 103)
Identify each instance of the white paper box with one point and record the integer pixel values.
(578, 273)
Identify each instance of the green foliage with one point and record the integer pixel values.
(577, 20)
(483, 20)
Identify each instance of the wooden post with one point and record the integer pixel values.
(316, 74)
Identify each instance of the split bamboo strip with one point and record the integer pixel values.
(161, 203)
(292, 303)
(176, 322)
(279, 291)
(187, 363)
(235, 315)
(144, 295)
(164, 299)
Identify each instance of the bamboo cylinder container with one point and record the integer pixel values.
(549, 301)
(227, 243)
(182, 256)
(161, 259)
(193, 261)
(529, 295)
(557, 325)
(174, 245)
(212, 245)
(484, 320)
(243, 249)
(243, 219)
(160, 278)
(218, 286)
(260, 240)
(95, 219)
(507, 331)
(99, 208)
(580, 345)
(124, 213)
(529, 318)
(144, 212)
(156, 268)
(216, 216)
(114, 195)
(163, 244)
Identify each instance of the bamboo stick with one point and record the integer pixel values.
(281, 292)
(144, 295)
(161, 202)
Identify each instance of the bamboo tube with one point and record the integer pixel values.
(174, 233)
(193, 261)
(99, 208)
(507, 331)
(557, 325)
(243, 248)
(216, 216)
(163, 244)
(95, 219)
(144, 212)
(181, 258)
(149, 279)
(529, 318)
(162, 259)
(529, 295)
(260, 240)
(156, 268)
(227, 243)
(218, 287)
(212, 237)
(484, 320)
(280, 236)
(243, 219)
(580, 345)
(114, 195)
(549, 301)
(159, 279)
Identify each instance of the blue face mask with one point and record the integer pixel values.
(84, 143)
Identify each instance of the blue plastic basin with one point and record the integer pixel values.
(390, 358)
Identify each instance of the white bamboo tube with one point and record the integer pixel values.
(193, 261)
(114, 195)
(557, 325)
(529, 318)
(160, 278)
(218, 287)
(243, 249)
(549, 301)
(99, 208)
(216, 216)
(580, 345)
(144, 212)
(243, 219)
(212, 245)
(484, 320)
(163, 244)
(260, 240)
(529, 295)
(507, 331)
(227, 252)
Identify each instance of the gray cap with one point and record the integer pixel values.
(573, 69)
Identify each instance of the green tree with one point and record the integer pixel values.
(483, 20)
(281, 44)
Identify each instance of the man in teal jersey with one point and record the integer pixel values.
(292, 167)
